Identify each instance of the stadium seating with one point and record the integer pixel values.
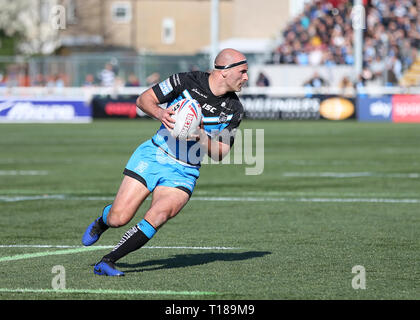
(323, 35)
(412, 76)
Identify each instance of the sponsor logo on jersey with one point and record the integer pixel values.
(199, 93)
(222, 117)
(165, 86)
(208, 108)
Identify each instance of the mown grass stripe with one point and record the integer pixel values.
(229, 199)
(109, 291)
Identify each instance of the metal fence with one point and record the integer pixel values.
(73, 71)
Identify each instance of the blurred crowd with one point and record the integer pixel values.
(109, 77)
(323, 35)
(17, 75)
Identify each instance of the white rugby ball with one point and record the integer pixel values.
(187, 118)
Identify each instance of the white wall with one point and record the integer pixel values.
(294, 76)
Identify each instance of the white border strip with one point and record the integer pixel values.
(108, 291)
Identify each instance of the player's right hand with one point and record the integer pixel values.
(166, 119)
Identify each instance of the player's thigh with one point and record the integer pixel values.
(167, 202)
(130, 196)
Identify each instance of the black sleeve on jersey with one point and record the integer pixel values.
(171, 88)
(228, 133)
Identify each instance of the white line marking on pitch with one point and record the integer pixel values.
(253, 199)
(79, 249)
(350, 175)
(46, 253)
(23, 172)
(36, 197)
(240, 199)
(109, 246)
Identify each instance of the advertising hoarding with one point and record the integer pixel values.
(44, 110)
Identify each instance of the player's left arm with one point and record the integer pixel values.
(219, 146)
(216, 150)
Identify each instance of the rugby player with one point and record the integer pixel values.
(158, 166)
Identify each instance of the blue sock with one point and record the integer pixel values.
(148, 230)
(105, 213)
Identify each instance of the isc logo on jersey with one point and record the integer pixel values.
(187, 118)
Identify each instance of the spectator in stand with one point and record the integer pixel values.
(13, 75)
(395, 67)
(132, 81)
(153, 78)
(377, 66)
(89, 80)
(315, 56)
(328, 58)
(262, 80)
(119, 82)
(347, 87)
(316, 81)
(55, 81)
(39, 80)
(360, 82)
(107, 76)
(366, 76)
(2, 83)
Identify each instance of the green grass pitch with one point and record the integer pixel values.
(332, 196)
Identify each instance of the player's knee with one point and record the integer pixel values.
(162, 216)
(114, 221)
(117, 219)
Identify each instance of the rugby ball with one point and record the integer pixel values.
(187, 118)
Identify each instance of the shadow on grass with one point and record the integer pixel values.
(189, 260)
